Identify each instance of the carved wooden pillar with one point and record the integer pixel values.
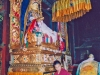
(72, 40)
(5, 39)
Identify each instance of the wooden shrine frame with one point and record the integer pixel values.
(15, 28)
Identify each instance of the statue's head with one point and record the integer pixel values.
(34, 4)
(91, 56)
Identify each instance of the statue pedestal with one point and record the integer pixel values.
(34, 59)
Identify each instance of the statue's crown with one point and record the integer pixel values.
(35, 1)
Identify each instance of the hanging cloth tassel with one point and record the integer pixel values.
(67, 10)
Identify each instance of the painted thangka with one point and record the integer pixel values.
(33, 45)
(64, 32)
(62, 29)
(67, 10)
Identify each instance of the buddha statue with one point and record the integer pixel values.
(33, 23)
(32, 16)
(88, 67)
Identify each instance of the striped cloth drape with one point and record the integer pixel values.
(67, 10)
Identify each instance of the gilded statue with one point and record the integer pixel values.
(33, 24)
(33, 14)
(89, 67)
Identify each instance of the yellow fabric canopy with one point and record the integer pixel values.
(67, 10)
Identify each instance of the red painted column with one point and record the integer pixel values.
(5, 39)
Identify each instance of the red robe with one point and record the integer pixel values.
(62, 72)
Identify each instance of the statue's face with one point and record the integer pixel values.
(34, 6)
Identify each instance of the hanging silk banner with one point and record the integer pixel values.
(67, 10)
(62, 29)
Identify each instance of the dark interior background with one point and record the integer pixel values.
(87, 33)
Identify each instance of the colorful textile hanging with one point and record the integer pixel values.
(67, 10)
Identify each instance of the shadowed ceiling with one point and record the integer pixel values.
(87, 32)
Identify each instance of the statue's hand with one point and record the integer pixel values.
(40, 18)
(31, 18)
